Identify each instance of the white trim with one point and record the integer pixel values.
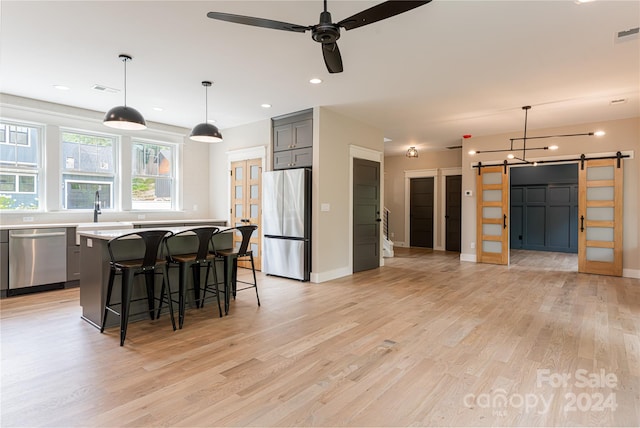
(245, 154)
(374, 156)
(330, 275)
(420, 173)
(468, 257)
(400, 244)
(631, 273)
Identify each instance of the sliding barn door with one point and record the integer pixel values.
(600, 217)
(492, 195)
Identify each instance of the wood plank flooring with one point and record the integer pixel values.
(426, 340)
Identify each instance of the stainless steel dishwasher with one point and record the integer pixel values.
(37, 257)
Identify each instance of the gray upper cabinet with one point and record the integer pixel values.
(293, 140)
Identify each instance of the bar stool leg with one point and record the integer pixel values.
(165, 280)
(255, 281)
(149, 278)
(127, 280)
(112, 274)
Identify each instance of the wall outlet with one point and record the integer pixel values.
(141, 216)
(325, 207)
(89, 242)
(27, 219)
(473, 245)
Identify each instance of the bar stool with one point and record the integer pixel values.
(197, 257)
(150, 265)
(230, 259)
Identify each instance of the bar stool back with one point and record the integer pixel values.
(152, 263)
(230, 258)
(197, 257)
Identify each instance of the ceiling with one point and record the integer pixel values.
(425, 77)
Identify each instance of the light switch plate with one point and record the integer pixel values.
(325, 207)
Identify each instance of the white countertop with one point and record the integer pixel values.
(125, 224)
(107, 234)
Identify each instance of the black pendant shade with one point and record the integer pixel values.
(206, 132)
(123, 117)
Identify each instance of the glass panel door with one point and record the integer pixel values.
(246, 203)
(492, 244)
(600, 217)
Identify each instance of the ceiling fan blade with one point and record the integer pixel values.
(258, 22)
(332, 57)
(379, 12)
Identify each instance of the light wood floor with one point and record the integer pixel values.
(424, 341)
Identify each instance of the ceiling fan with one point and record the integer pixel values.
(326, 32)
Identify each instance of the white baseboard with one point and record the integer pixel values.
(399, 244)
(329, 275)
(465, 257)
(439, 249)
(631, 273)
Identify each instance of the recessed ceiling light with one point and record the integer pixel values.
(510, 156)
(61, 87)
(158, 108)
(315, 81)
(212, 121)
(472, 152)
(265, 105)
(599, 133)
(387, 140)
(554, 147)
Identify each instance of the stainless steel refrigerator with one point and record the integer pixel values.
(286, 223)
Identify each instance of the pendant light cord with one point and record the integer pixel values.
(524, 138)
(125, 81)
(206, 104)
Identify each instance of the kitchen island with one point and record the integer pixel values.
(94, 268)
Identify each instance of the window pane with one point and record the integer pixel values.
(80, 193)
(20, 151)
(151, 193)
(7, 183)
(27, 184)
(89, 153)
(20, 147)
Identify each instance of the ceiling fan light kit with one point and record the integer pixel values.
(124, 117)
(326, 32)
(206, 132)
(524, 149)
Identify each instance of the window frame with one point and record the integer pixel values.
(68, 176)
(173, 176)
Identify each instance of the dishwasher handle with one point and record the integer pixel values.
(37, 235)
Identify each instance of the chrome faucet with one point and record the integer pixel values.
(96, 206)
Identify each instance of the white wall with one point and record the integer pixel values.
(253, 135)
(193, 188)
(621, 135)
(334, 135)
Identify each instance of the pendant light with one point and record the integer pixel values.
(524, 149)
(206, 132)
(123, 117)
(412, 152)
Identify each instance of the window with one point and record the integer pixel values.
(152, 181)
(88, 165)
(20, 146)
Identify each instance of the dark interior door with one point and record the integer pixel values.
(421, 212)
(453, 212)
(366, 215)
